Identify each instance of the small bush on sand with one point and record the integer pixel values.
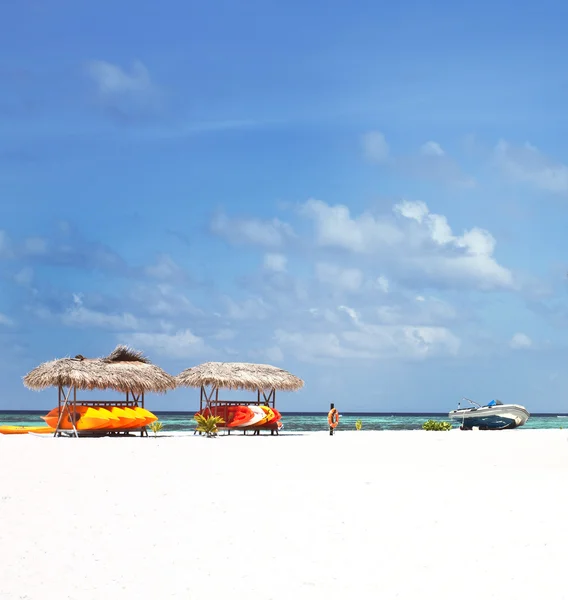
(358, 424)
(155, 427)
(208, 425)
(432, 425)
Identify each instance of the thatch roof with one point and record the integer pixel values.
(124, 370)
(243, 376)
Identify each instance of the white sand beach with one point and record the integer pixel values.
(394, 514)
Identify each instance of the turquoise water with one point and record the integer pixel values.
(307, 422)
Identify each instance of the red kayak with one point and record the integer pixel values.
(233, 416)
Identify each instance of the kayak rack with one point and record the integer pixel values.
(260, 379)
(69, 405)
(124, 370)
(273, 428)
(207, 400)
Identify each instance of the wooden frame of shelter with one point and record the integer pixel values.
(124, 370)
(265, 380)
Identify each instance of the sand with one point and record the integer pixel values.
(407, 514)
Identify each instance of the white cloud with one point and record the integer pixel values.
(520, 341)
(269, 233)
(375, 146)
(412, 210)
(225, 334)
(370, 342)
(415, 240)
(274, 354)
(5, 320)
(181, 344)
(125, 93)
(35, 246)
(346, 279)
(164, 300)
(415, 330)
(421, 310)
(382, 283)
(166, 269)
(430, 162)
(24, 277)
(335, 227)
(275, 262)
(251, 308)
(113, 80)
(351, 312)
(526, 164)
(432, 149)
(80, 316)
(405, 342)
(311, 347)
(324, 314)
(5, 245)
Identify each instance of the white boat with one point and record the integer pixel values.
(494, 415)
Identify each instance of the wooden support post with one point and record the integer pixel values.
(62, 409)
(331, 407)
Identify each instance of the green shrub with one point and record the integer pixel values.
(155, 427)
(432, 425)
(358, 424)
(208, 425)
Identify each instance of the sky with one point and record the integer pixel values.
(373, 196)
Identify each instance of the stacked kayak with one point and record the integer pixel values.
(246, 416)
(109, 418)
(89, 418)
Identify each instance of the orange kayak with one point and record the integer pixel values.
(87, 418)
(19, 429)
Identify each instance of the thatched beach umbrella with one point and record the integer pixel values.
(263, 379)
(124, 370)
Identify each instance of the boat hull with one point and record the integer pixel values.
(504, 416)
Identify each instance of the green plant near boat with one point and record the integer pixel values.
(432, 425)
(208, 425)
(155, 427)
(358, 424)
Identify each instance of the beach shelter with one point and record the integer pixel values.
(125, 370)
(265, 380)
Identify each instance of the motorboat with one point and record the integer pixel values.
(494, 415)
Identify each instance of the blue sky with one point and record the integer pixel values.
(373, 196)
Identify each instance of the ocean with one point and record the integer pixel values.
(183, 421)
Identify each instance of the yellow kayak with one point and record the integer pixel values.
(126, 419)
(148, 416)
(269, 415)
(15, 429)
(138, 419)
(87, 418)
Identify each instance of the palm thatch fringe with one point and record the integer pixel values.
(124, 370)
(242, 376)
